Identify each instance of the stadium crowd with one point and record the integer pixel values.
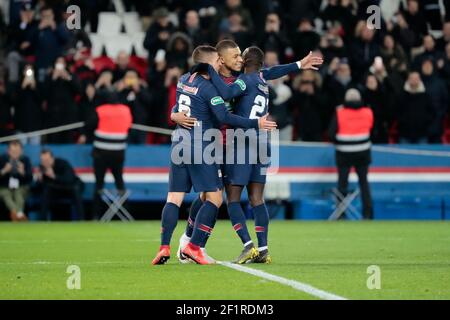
(49, 76)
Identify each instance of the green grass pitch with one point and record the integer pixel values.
(114, 259)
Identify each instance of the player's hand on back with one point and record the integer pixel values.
(183, 120)
(266, 124)
(311, 61)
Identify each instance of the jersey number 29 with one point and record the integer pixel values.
(259, 107)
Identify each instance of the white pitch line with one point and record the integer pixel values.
(291, 283)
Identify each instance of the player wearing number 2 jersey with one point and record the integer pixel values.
(197, 96)
(251, 93)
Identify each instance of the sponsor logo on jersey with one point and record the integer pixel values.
(241, 84)
(187, 89)
(217, 100)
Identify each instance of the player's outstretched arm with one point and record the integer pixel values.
(219, 110)
(227, 92)
(309, 62)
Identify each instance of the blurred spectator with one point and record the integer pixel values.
(122, 65)
(59, 181)
(340, 11)
(375, 97)
(28, 113)
(304, 39)
(414, 111)
(235, 28)
(61, 91)
(430, 52)
(234, 7)
(337, 82)
(5, 111)
(404, 34)
(133, 92)
(432, 13)
(84, 68)
(158, 33)
(442, 42)
(179, 49)
(393, 55)
(363, 52)
(332, 44)
(48, 41)
(18, 43)
(279, 101)
(350, 129)
(194, 30)
(308, 102)
(437, 90)
(15, 178)
(416, 21)
(274, 38)
(444, 66)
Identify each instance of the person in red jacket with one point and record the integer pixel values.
(350, 130)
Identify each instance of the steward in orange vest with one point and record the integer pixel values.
(111, 121)
(350, 130)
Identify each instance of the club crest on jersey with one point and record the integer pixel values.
(241, 84)
(217, 100)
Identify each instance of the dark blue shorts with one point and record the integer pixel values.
(244, 174)
(203, 177)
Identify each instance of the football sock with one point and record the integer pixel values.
(168, 222)
(204, 223)
(193, 211)
(237, 218)
(261, 225)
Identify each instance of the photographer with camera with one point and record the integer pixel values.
(15, 178)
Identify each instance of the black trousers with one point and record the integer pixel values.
(104, 160)
(362, 172)
(51, 193)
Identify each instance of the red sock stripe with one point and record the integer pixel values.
(205, 228)
(237, 227)
(190, 221)
(260, 229)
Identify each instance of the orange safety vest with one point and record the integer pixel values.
(114, 121)
(354, 126)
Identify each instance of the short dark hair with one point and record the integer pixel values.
(44, 151)
(15, 143)
(226, 44)
(199, 53)
(253, 56)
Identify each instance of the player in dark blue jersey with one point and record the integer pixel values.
(252, 95)
(230, 56)
(196, 96)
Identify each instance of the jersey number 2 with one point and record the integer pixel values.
(184, 104)
(259, 107)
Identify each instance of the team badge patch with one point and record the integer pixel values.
(241, 84)
(217, 100)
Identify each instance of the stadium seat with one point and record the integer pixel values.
(109, 23)
(103, 62)
(115, 44)
(132, 23)
(97, 44)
